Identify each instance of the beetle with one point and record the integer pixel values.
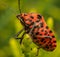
(36, 27)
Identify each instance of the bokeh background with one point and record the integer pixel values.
(10, 25)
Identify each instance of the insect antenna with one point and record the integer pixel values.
(19, 6)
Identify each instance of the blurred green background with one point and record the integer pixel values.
(10, 25)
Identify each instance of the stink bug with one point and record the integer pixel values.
(36, 27)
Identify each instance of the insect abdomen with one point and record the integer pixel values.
(38, 35)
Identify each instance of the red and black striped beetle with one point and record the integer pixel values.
(35, 25)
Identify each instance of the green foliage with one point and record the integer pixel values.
(10, 25)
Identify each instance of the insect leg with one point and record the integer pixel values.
(46, 36)
(16, 36)
(32, 28)
(22, 37)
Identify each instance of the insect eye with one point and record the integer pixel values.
(18, 16)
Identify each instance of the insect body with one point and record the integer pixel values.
(37, 28)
